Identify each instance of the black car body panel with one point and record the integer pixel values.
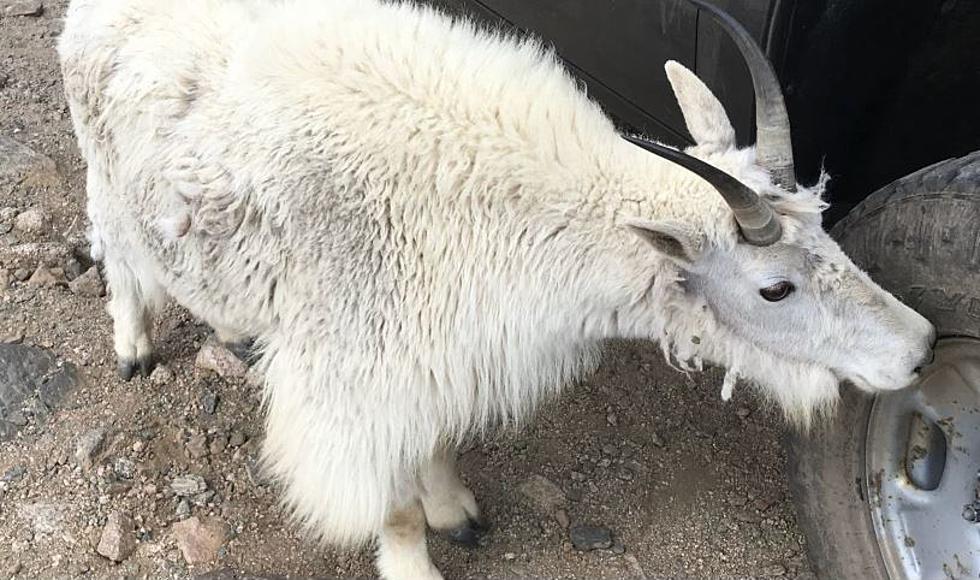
(876, 89)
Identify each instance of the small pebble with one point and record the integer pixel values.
(237, 439)
(32, 221)
(88, 284)
(118, 540)
(587, 538)
(188, 485)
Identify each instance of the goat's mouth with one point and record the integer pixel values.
(889, 382)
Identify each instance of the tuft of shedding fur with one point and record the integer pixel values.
(431, 229)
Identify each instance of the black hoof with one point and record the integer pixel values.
(127, 368)
(468, 534)
(146, 365)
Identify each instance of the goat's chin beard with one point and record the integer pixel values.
(804, 391)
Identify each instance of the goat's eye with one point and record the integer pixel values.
(777, 291)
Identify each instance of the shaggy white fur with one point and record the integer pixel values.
(429, 228)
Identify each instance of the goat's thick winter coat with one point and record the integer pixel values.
(424, 225)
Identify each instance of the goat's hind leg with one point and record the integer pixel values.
(134, 297)
(450, 506)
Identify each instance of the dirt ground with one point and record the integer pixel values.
(687, 486)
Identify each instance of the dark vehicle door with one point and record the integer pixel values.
(618, 47)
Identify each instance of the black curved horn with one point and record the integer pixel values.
(755, 217)
(774, 146)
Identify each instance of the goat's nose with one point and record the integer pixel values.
(927, 360)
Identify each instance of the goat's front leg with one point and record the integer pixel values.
(402, 553)
(449, 505)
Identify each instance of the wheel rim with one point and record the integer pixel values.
(923, 464)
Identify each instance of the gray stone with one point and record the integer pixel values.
(124, 468)
(43, 278)
(32, 222)
(30, 253)
(88, 284)
(118, 540)
(545, 494)
(89, 448)
(188, 485)
(561, 516)
(587, 538)
(162, 375)
(22, 8)
(29, 373)
(197, 446)
(14, 474)
(237, 439)
(183, 509)
(209, 401)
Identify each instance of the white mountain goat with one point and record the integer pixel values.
(430, 227)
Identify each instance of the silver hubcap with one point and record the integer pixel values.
(923, 469)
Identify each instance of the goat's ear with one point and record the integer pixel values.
(705, 117)
(672, 240)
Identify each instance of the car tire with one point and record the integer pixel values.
(919, 238)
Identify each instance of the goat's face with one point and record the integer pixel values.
(795, 316)
(804, 300)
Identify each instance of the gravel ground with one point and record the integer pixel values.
(637, 472)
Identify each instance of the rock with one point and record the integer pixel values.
(237, 439)
(88, 284)
(162, 375)
(561, 516)
(183, 509)
(17, 418)
(28, 373)
(256, 474)
(22, 8)
(32, 222)
(118, 540)
(4, 279)
(90, 447)
(656, 439)
(29, 255)
(218, 444)
(543, 492)
(22, 274)
(209, 401)
(609, 449)
(124, 468)
(12, 569)
(200, 538)
(15, 336)
(743, 412)
(43, 278)
(14, 474)
(773, 570)
(74, 269)
(45, 519)
(216, 358)
(197, 446)
(587, 538)
(188, 485)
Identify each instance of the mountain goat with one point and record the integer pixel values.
(429, 227)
